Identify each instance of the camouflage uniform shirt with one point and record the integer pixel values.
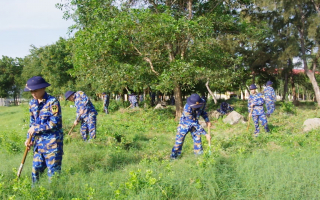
(191, 117)
(84, 105)
(269, 94)
(46, 118)
(257, 100)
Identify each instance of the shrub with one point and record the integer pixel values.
(288, 107)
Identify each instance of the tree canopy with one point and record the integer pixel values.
(179, 46)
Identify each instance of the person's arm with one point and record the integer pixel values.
(30, 130)
(204, 115)
(32, 119)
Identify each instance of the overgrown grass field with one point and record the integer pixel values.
(130, 157)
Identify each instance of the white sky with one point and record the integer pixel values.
(30, 22)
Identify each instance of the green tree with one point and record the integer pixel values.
(10, 69)
(53, 63)
(166, 45)
(301, 18)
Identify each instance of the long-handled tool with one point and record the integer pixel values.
(24, 158)
(209, 138)
(73, 125)
(209, 127)
(249, 118)
(129, 106)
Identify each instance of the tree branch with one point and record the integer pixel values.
(316, 6)
(154, 5)
(171, 54)
(214, 7)
(213, 97)
(146, 59)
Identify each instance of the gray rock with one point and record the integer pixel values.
(159, 106)
(233, 118)
(310, 124)
(215, 114)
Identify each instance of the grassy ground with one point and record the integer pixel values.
(130, 158)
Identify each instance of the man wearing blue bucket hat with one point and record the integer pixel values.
(270, 98)
(45, 129)
(193, 109)
(255, 108)
(86, 113)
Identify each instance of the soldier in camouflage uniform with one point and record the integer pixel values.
(270, 98)
(193, 109)
(86, 113)
(225, 108)
(45, 129)
(133, 100)
(255, 108)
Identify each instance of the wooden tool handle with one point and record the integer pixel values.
(24, 158)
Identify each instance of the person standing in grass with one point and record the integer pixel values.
(133, 100)
(106, 99)
(270, 98)
(255, 109)
(193, 109)
(86, 113)
(45, 129)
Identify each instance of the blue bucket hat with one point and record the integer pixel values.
(68, 94)
(253, 87)
(269, 83)
(194, 101)
(103, 93)
(34, 83)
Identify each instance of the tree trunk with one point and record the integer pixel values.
(213, 97)
(178, 101)
(242, 93)
(315, 86)
(122, 98)
(308, 72)
(285, 85)
(190, 9)
(294, 94)
(298, 92)
(248, 90)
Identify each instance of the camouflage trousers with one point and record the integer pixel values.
(41, 161)
(135, 105)
(263, 120)
(106, 109)
(196, 130)
(88, 127)
(270, 107)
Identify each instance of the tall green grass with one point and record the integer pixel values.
(130, 158)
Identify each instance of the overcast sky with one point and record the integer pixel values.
(29, 22)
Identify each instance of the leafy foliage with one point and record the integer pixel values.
(288, 107)
(9, 77)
